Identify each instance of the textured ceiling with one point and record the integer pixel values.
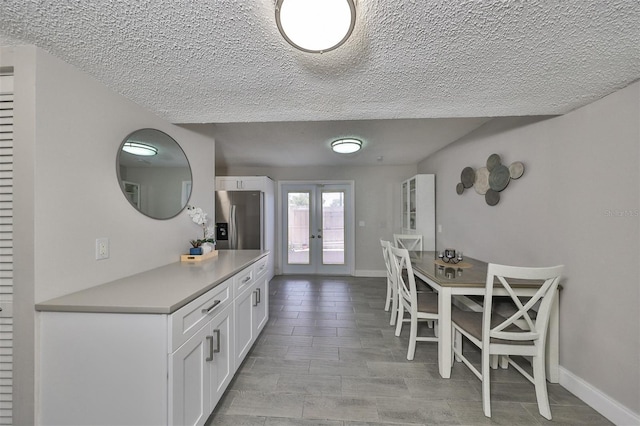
(223, 61)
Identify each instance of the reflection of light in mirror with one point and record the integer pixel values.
(137, 148)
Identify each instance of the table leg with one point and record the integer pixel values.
(444, 323)
(553, 342)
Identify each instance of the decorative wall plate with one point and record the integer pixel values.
(467, 177)
(516, 169)
(499, 178)
(493, 161)
(492, 197)
(481, 184)
(491, 180)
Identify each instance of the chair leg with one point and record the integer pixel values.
(494, 362)
(388, 301)
(540, 382)
(399, 319)
(394, 307)
(504, 361)
(486, 385)
(413, 334)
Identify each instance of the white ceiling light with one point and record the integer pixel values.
(137, 148)
(346, 146)
(315, 26)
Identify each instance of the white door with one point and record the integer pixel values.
(317, 228)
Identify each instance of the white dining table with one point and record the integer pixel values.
(453, 280)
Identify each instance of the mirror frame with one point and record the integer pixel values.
(177, 150)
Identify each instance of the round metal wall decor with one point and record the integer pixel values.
(492, 197)
(468, 176)
(493, 160)
(499, 178)
(481, 184)
(491, 180)
(516, 170)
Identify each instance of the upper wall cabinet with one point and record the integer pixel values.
(241, 183)
(418, 209)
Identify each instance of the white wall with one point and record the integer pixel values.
(577, 204)
(68, 131)
(377, 202)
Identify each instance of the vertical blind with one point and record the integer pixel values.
(6, 249)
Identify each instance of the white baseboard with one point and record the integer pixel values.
(598, 400)
(370, 273)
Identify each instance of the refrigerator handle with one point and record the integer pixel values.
(233, 235)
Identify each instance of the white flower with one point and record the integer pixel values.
(200, 217)
(209, 232)
(197, 215)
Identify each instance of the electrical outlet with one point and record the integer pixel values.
(102, 248)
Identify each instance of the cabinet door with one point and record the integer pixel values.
(261, 308)
(240, 183)
(243, 313)
(405, 205)
(221, 362)
(189, 376)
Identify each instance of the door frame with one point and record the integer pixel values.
(349, 220)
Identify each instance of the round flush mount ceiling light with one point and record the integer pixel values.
(137, 148)
(346, 146)
(315, 26)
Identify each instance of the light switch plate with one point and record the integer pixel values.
(102, 248)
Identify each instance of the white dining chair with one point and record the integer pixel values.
(419, 306)
(391, 301)
(496, 335)
(411, 242)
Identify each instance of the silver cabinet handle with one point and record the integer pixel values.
(217, 332)
(255, 303)
(210, 340)
(246, 280)
(212, 307)
(258, 295)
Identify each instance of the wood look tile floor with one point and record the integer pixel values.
(328, 356)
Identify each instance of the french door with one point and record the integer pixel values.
(317, 228)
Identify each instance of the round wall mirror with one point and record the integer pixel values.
(154, 173)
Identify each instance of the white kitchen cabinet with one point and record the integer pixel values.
(241, 183)
(243, 312)
(200, 371)
(156, 368)
(418, 209)
(221, 363)
(260, 307)
(190, 381)
(251, 307)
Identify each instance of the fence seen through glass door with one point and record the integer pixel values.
(316, 228)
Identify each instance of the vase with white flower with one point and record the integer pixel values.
(207, 243)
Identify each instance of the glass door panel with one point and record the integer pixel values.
(317, 228)
(298, 231)
(333, 232)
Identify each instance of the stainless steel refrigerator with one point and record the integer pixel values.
(239, 219)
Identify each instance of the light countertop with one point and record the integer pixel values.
(159, 291)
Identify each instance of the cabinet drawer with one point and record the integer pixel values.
(186, 321)
(260, 267)
(243, 280)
